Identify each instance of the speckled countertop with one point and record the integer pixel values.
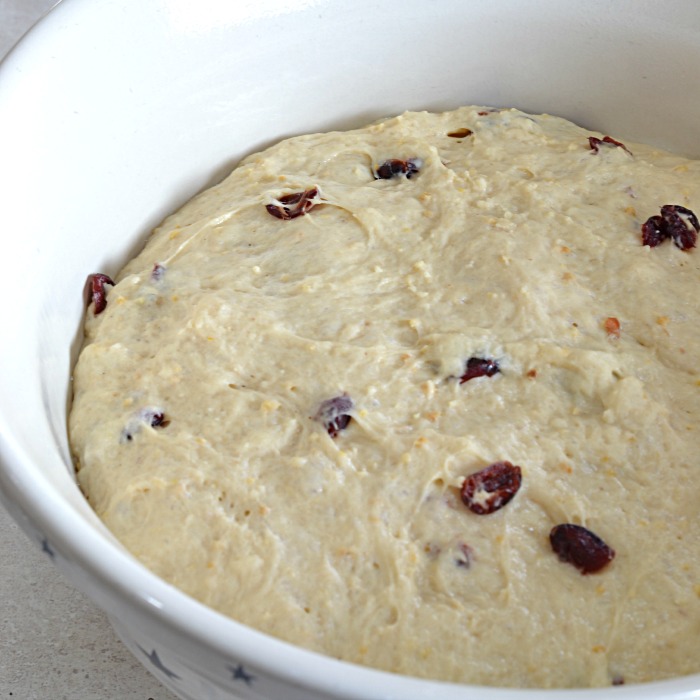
(54, 643)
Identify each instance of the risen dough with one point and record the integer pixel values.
(517, 242)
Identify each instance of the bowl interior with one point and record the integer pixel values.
(112, 114)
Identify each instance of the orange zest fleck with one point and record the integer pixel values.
(612, 326)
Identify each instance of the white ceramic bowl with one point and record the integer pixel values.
(113, 113)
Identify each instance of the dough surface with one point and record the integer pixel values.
(515, 241)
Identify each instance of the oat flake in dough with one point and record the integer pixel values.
(516, 242)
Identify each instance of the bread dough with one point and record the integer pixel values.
(514, 240)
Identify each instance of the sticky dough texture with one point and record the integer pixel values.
(516, 242)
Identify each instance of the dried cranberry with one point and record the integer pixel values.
(677, 219)
(460, 133)
(654, 231)
(574, 544)
(464, 558)
(676, 222)
(157, 272)
(595, 143)
(333, 414)
(154, 417)
(289, 206)
(95, 291)
(479, 367)
(395, 168)
(488, 490)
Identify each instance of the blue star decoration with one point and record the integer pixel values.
(155, 660)
(240, 674)
(46, 548)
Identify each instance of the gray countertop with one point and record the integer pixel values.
(54, 643)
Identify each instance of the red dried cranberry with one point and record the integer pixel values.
(677, 219)
(479, 367)
(576, 545)
(676, 222)
(289, 206)
(395, 168)
(654, 231)
(150, 416)
(461, 133)
(595, 143)
(333, 414)
(464, 558)
(155, 419)
(95, 291)
(488, 490)
(157, 272)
